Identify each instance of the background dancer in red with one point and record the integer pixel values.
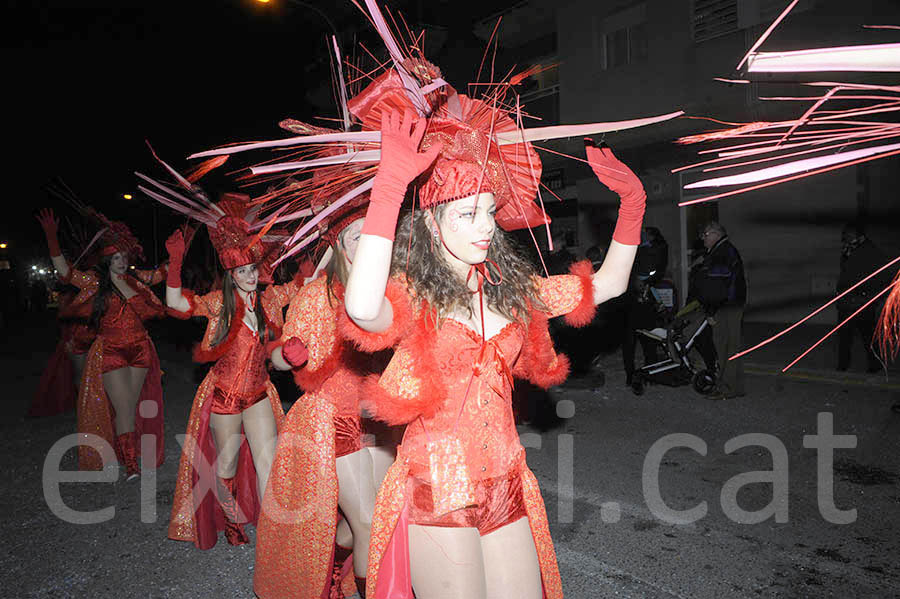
(232, 430)
(321, 464)
(122, 366)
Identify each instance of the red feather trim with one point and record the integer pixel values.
(538, 354)
(190, 297)
(372, 342)
(214, 353)
(311, 380)
(432, 393)
(584, 313)
(887, 332)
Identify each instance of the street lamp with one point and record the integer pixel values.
(127, 196)
(2, 246)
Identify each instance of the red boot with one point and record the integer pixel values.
(118, 445)
(128, 446)
(234, 531)
(341, 555)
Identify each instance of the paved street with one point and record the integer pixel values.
(612, 538)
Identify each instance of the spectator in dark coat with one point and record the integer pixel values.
(859, 258)
(641, 310)
(717, 282)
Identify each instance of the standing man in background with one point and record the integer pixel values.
(718, 283)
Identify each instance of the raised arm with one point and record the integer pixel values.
(50, 225)
(401, 162)
(611, 279)
(175, 299)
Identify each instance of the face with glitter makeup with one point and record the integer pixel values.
(350, 238)
(467, 227)
(245, 277)
(118, 263)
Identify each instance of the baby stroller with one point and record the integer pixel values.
(675, 343)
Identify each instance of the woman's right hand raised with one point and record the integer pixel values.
(401, 162)
(50, 225)
(401, 135)
(49, 222)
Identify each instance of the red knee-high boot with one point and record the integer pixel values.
(118, 447)
(128, 446)
(234, 531)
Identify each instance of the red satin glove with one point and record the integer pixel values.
(400, 163)
(294, 352)
(620, 179)
(50, 224)
(176, 248)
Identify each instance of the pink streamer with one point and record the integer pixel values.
(792, 167)
(348, 136)
(766, 33)
(349, 157)
(364, 187)
(811, 314)
(560, 131)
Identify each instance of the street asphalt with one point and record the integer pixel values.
(618, 509)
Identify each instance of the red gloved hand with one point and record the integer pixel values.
(175, 247)
(50, 224)
(400, 163)
(619, 178)
(294, 352)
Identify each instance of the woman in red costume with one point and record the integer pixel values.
(460, 514)
(234, 421)
(320, 465)
(122, 367)
(58, 387)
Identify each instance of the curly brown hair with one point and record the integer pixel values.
(416, 254)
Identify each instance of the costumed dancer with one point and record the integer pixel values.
(236, 414)
(321, 465)
(460, 514)
(58, 386)
(120, 395)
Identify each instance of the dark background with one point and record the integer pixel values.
(88, 81)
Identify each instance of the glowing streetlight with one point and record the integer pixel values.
(34, 268)
(127, 196)
(2, 246)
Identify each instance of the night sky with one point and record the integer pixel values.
(89, 81)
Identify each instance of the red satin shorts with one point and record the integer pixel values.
(347, 435)
(499, 502)
(235, 403)
(136, 353)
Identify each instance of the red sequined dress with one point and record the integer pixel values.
(461, 463)
(295, 536)
(121, 341)
(237, 380)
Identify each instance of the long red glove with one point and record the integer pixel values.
(175, 247)
(50, 224)
(620, 179)
(294, 352)
(401, 162)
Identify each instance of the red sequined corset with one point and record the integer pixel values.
(124, 319)
(486, 426)
(242, 370)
